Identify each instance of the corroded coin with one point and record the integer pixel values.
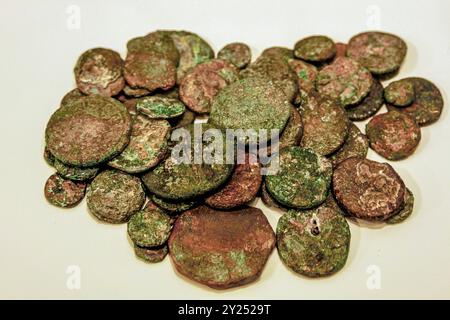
(369, 105)
(427, 105)
(368, 189)
(192, 49)
(315, 49)
(71, 96)
(276, 69)
(379, 52)
(114, 196)
(269, 201)
(149, 71)
(345, 80)
(241, 188)
(202, 83)
(306, 74)
(88, 131)
(406, 211)
(174, 179)
(400, 93)
(149, 228)
(251, 103)
(147, 147)
(237, 53)
(283, 53)
(172, 207)
(393, 135)
(325, 125)
(356, 145)
(99, 71)
(160, 107)
(75, 173)
(135, 92)
(151, 255)
(302, 180)
(221, 249)
(155, 42)
(314, 243)
(62, 192)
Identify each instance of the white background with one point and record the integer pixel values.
(39, 242)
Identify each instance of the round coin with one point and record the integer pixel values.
(356, 145)
(114, 196)
(399, 93)
(314, 243)
(202, 83)
(149, 228)
(302, 180)
(237, 53)
(269, 201)
(345, 80)
(71, 96)
(155, 42)
(99, 71)
(88, 131)
(367, 189)
(379, 52)
(62, 192)
(393, 135)
(406, 211)
(151, 255)
(160, 107)
(306, 74)
(315, 49)
(221, 249)
(369, 105)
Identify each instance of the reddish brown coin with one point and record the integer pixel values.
(62, 192)
(368, 189)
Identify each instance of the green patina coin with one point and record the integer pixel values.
(399, 93)
(356, 145)
(325, 125)
(71, 96)
(180, 176)
(114, 196)
(62, 192)
(157, 42)
(269, 201)
(302, 180)
(185, 119)
(237, 53)
(204, 81)
(147, 147)
(427, 105)
(75, 173)
(283, 53)
(314, 243)
(149, 228)
(172, 207)
(88, 131)
(221, 249)
(99, 71)
(379, 52)
(151, 255)
(251, 103)
(149, 71)
(406, 211)
(276, 69)
(369, 105)
(393, 135)
(315, 49)
(193, 50)
(345, 80)
(160, 107)
(306, 74)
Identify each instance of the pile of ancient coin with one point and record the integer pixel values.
(111, 139)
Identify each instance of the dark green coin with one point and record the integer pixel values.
(158, 107)
(406, 211)
(180, 176)
(314, 243)
(399, 93)
(147, 147)
(251, 103)
(369, 105)
(151, 255)
(427, 105)
(88, 131)
(302, 180)
(356, 145)
(315, 49)
(62, 192)
(75, 173)
(325, 125)
(114, 196)
(149, 228)
(173, 207)
(237, 53)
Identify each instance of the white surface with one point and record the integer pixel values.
(38, 242)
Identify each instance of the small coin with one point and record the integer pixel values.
(369, 105)
(149, 228)
(157, 42)
(237, 53)
(315, 49)
(399, 93)
(160, 107)
(62, 192)
(75, 173)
